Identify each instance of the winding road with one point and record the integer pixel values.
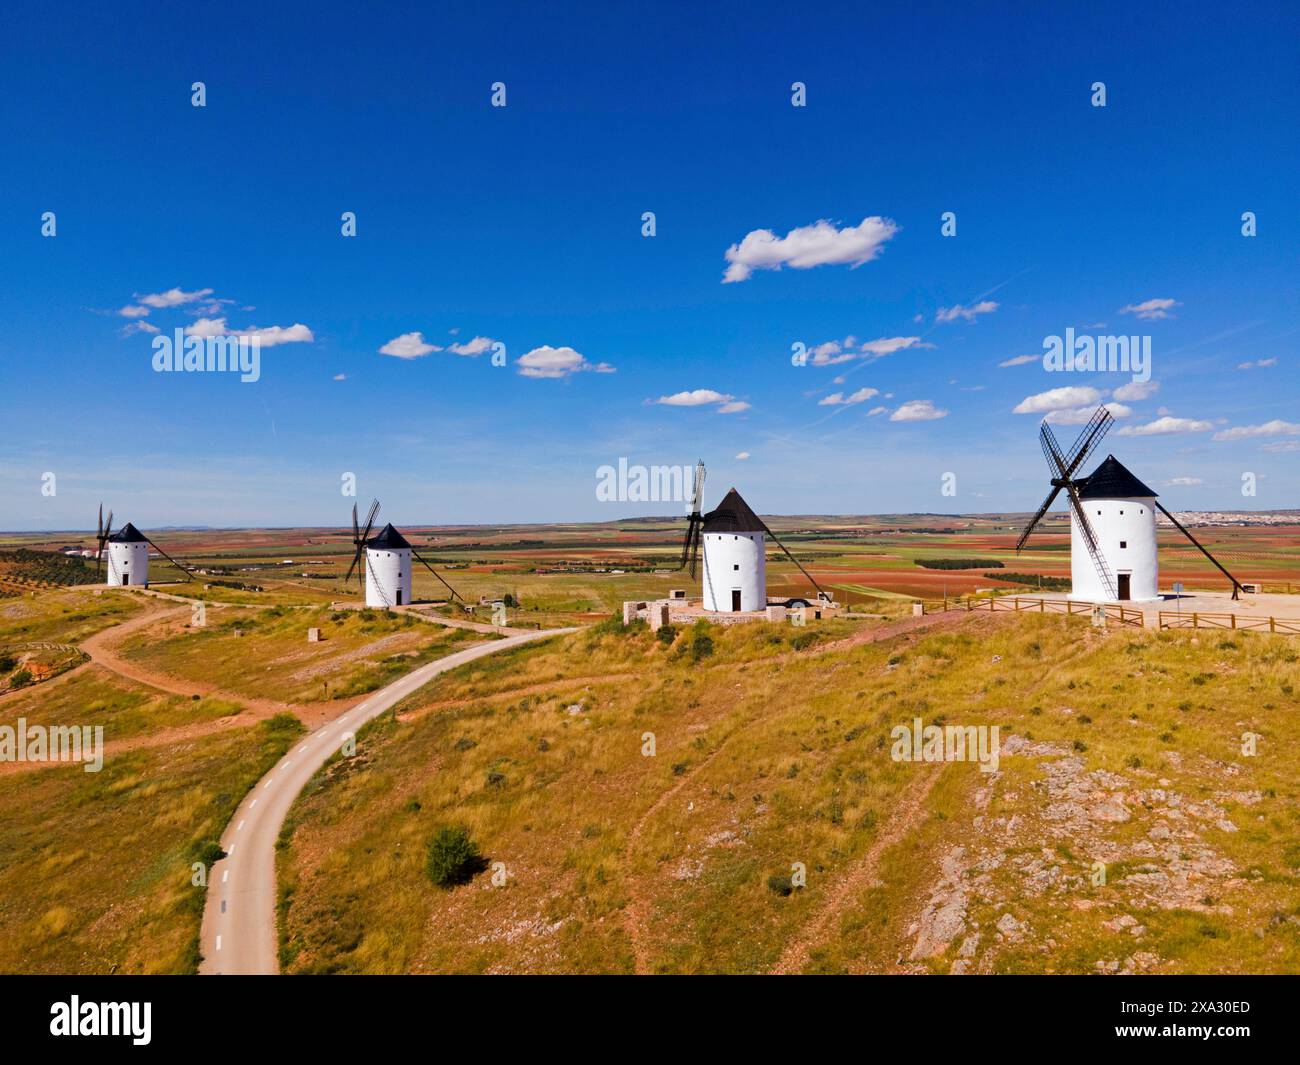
(238, 935)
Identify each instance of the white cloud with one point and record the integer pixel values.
(1184, 482)
(1057, 399)
(804, 247)
(1082, 415)
(699, 397)
(132, 311)
(138, 327)
(408, 346)
(471, 347)
(1135, 391)
(1245, 432)
(1257, 364)
(742, 456)
(1019, 360)
(888, 345)
(835, 351)
(340, 377)
(267, 338)
(1166, 426)
(838, 399)
(830, 353)
(703, 397)
(917, 410)
(1281, 446)
(273, 335)
(968, 314)
(173, 297)
(549, 362)
(877, 410)
(1157, 308)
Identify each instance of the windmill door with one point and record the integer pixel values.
(399, 597)
(1124, 586)
(735, 599)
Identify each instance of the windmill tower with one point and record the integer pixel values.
(735, 557)
(128, 553)
(1113, 552)
(735, 554)
(128, 557)
(388, 557)
(388, 569)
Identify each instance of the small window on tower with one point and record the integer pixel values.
(1123, 544)
(735, 565)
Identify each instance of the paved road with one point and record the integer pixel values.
(238, 934)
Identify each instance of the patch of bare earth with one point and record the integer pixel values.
(1013, 864)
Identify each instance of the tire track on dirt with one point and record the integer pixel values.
(906, 815)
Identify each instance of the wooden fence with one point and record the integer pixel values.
(1196, 619)
(1114, 611)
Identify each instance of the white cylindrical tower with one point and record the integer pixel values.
(735, 557)
(388, 569)
(1122, 513)
(127, 553)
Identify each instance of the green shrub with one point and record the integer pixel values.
(453, 857)
(207, 851)
(781, 885)
(21, 679)
(7, 662)
(701, 645)
(666, 634)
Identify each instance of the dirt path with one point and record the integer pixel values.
(906, 815)
(102, 648)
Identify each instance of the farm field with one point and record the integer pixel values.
(575, 572)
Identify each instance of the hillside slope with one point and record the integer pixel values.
(1124, 829)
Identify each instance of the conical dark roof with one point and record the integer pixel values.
(127, 534)
(1112, 480)
(389, 539)
(732, 516)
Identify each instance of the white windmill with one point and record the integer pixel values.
(735, 554)
(1112, 521)
(388, 556)
(128, 553)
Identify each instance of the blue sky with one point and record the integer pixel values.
(522, 225)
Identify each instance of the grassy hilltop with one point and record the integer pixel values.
(1119, 747)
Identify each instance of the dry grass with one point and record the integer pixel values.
(359, 652)
(96, 868)
(771, 757)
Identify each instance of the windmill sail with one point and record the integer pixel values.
(360, 537)
(694, 523)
